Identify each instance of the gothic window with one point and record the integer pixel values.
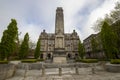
(49, 55)
(68, 48)
(42, 49)
(68, 43)
(42, 42)
(49, 48)
(75, 48)
(49, 42)
(69, 55)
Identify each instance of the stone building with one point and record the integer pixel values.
(59, 44)
(100, 54)
(88, 47)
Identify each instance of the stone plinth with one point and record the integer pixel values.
(59, 60)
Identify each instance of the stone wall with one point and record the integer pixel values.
(7, 71)
(112, 67)
(38, 66)
(29, 66)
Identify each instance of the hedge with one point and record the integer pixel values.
(87, 60)
(4, 62)
(115, 61)
(29, 61)
(40, 59)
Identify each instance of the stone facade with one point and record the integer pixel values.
(59, 43)
(88, 46)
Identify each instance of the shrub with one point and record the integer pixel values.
(14, 58)
(3, 62)
(78, 60)
(87, 60)
(40, 59)
(103, 59)
(115, 61)
(29, 61)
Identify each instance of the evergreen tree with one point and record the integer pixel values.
(8, 41)
(37, 50)
(24, 48)
(3, 46)
(109, 41)
(94, 47)
(81, 50)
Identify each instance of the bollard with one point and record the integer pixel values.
(93, 70)
(26, 70)
(76, 70)
(43, 71)
(60, 71)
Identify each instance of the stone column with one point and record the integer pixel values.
(43, 71)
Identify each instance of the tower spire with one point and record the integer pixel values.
(59, 21)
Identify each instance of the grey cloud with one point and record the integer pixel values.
(41, 13)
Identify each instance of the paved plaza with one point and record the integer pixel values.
(67, 74)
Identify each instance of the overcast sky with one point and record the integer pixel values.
(35, 15)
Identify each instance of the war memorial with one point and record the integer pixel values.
(59, 45)
(59, 51)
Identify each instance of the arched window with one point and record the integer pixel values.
(49, 55)
(41, 56)
(69, 55)
(76, 54)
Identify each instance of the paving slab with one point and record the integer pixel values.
(67, 74)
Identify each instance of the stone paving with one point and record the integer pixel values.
(67, 74)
